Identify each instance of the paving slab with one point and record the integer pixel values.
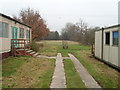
(58, 79)
(66, 57)
(33, 52)
(36, 54)
(42, 56)
(83, 73)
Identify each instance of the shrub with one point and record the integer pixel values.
(34, 46)
(28, 45)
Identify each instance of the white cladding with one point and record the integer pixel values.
(5, 43)
(110, 52)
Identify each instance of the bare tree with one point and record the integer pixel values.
(79, 32)
(82, 25)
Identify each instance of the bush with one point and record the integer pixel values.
(34, 46)
(28, 45)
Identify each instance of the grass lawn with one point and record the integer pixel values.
(106, 76)
(72, 77)
(49, 49)
(27, 72)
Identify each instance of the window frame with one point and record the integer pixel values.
(21, 33)
(1, 30)
(27, 34)
(113, 38)
(107, 43)
(4, 30)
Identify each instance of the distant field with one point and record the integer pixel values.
(103, 74)
(51, 48)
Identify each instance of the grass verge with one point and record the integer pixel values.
(106, 76)
(29, 73)
(72, 77)
(11, 64)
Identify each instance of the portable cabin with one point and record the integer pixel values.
(12, 33)
(107, 45)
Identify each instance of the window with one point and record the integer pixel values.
(115, 38)
(0, 29)
(27, 34)
(107, 38)
(21, 33)
(3, 30)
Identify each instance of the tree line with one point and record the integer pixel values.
(79, 32)
(52, 35)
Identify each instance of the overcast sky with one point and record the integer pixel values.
(58, 12)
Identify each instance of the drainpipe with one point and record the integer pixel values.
(102, 43)
(119, 48)
(119, 36)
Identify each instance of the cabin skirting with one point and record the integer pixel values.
(108, 63)
(4, 55)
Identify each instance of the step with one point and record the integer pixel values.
(36, 54)
(33, 52)
(29, 51)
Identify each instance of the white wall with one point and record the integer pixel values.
(110, 52)
(98, 42)
(5, 43)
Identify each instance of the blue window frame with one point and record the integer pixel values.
(21, 33)
(3, 30)
(115, 38)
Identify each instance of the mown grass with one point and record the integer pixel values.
(49, 49)
(27, 72)
(72, 76)
(11, 64)
(106, 76)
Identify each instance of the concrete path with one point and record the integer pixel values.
(58, 79)
(42, 56)
(85, 76)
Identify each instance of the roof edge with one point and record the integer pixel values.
(113, 26)
(8, 17)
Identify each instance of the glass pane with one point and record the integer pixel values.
(5, 30)
(115, 38)
(0, 29)
(107, 39)
(21, 33)
(27, 33)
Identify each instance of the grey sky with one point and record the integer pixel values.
(58, 12)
